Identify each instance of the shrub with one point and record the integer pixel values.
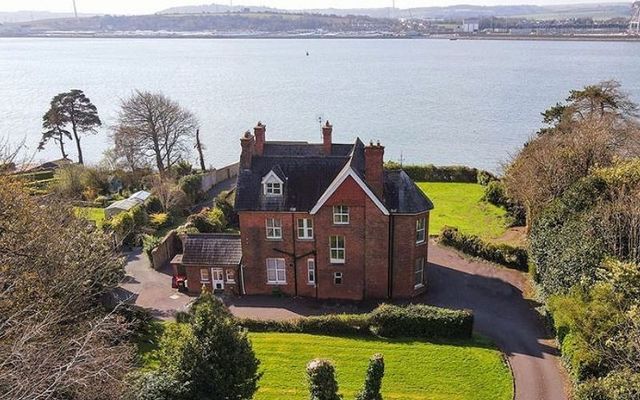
(149, 243)
(421, 321)
(160, 220)
(373, 380)
(495, 194)
(509, 256)
(192, 185)
(225, 202)
(209, 221)
(123, 225)
(618, 386)
(140, 216)
(322, 380)
(484, 178)
(156, 385)
(154, 205)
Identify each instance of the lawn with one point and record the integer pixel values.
(414, 369)
(460, 205)
(92, 214)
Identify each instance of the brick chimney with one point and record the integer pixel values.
(248, 143)
(259, 133)
(373, 167)
(327, 131)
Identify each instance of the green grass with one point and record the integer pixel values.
(460, 205)
(471, 370)
(92, 214)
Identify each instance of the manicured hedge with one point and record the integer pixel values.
(421, 321)
(417, 321)
(509, 256)
(337, 324)
(454, 173)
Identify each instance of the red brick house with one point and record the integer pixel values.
(327, 221)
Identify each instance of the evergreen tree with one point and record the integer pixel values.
(373, 381)
(322, 381)
(217, 361)
(53, 125)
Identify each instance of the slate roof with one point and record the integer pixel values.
(212, 249)
(307, 174)
(402, 195)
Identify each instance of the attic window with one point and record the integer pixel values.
(273, 189)
(272, 184)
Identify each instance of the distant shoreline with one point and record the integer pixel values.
(560, 38)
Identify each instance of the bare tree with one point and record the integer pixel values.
(159, 128)
(56, 339)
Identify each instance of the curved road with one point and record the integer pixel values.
(503, 314)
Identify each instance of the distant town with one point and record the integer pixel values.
(618, 21)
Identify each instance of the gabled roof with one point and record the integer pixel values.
(211, 249)
(312, 177)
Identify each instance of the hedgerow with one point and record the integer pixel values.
(504, 254)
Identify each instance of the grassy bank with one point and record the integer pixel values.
(460, 205)
(92, 214)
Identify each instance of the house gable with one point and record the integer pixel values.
(346, 173)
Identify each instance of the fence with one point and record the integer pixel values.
(166, 250)
(215, 176)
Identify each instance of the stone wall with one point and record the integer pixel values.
(215, 176)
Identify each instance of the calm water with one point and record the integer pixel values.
(443, 102)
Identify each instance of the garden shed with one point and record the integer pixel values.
(125, 205)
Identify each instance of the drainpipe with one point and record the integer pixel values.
(295, 259)
(244, 291)
(392, 221)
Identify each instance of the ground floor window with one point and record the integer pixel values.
(231, 276)
(204, 276)
(276, 273)
(311, 271)
(337, 278)
(419, 273)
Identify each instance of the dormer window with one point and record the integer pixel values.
(272, 184)
(273, 189)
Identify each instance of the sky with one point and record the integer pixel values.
(150, 6)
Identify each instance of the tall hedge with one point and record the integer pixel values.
(417, 321)
(373, 380)
(454, 173)
(421, 321)
(504, 254)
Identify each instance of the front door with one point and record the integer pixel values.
(217, 277)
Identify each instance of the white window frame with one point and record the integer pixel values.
(421, 232)
(273, 189)
(418, 269)
(273, 227)
(272, 185)
(232, 273)
(205, 272)
(335, 249)
(276, 271)
(305, 228)
(336, 276)
(341, 215)
(311, 271)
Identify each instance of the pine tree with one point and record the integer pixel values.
(373, 380)
(53, 128)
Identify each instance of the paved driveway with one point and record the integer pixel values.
(151, 289)
(501, 313)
